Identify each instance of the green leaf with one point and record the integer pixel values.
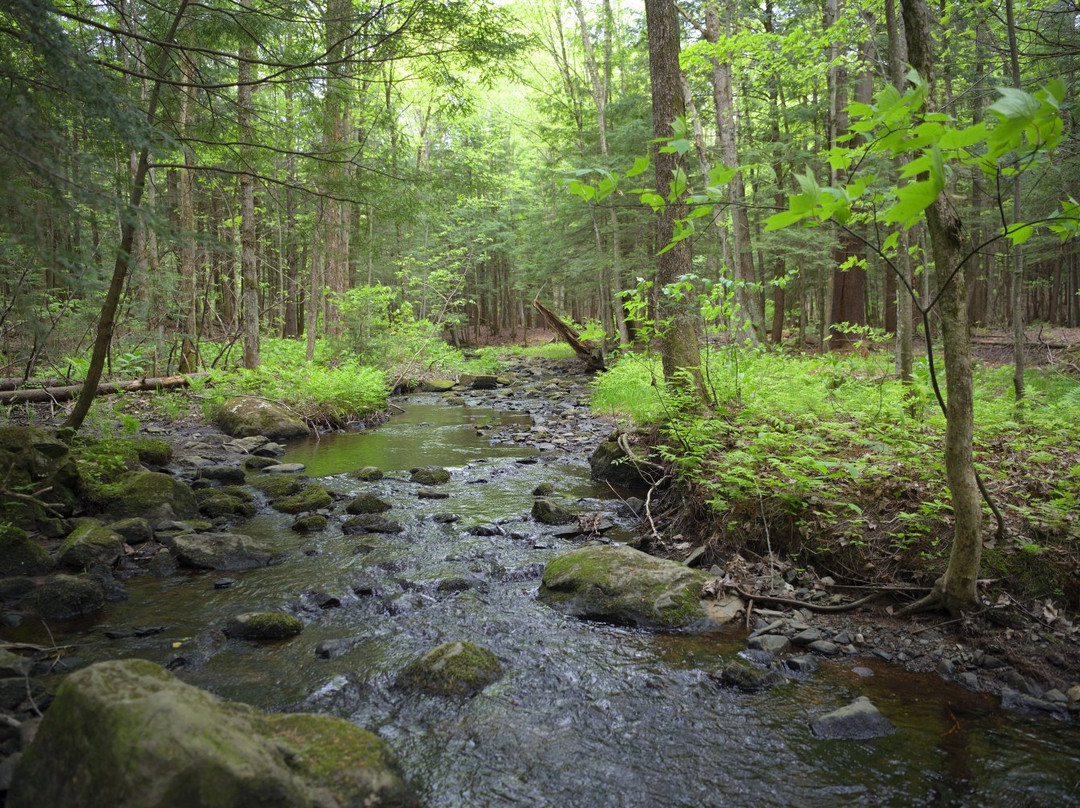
(721, 175)
(1020, 233)
(654, 201)
(891, 241)
(641, 164)
(784, 218)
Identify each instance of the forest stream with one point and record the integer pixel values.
(586, 714)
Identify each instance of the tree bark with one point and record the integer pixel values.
(1017, 275)
(955, 590)
(680, 348)
(249, 273)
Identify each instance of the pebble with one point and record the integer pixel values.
(991, 662)
(859, 670)
(773, 643)
(804, 663)
(807, 636)
(1073, 694)
(224, 583)
(284, 468)
(969, 680)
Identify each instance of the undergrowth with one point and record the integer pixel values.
(817, 456)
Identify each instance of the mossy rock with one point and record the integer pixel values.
(36, 461)
(744, 675)
(549, 512)
(543, 490)
(277, 486)
(617, 584)
(151, 495)
(62, 597)
(225, 501)
(21, 555)
(133, 530)
(263, 626)
(128, 733)
(367, 503)
(88, 544)
(220, 551)
(368, 474)
(259, 463)
(610, 463)
(432, 475)
(244, 417)
(436, 385)
(309, 498)
(152, 451)
(312, 523)
(453, 669)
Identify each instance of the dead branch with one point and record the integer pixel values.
(67, 392)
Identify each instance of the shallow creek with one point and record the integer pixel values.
(587, 715)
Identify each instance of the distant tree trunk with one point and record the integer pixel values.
(335, 137)
(249, 274)
(955, 590)
(1017, 289)
(680, 350)
(723, 99)
(129, 223)
(189, 357)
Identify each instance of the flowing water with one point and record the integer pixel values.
(587, 714)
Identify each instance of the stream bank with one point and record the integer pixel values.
(585, 713)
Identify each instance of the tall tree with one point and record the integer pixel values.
(680, 350)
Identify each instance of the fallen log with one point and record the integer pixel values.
(37, 395)
(590, 353)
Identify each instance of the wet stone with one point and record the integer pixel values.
(772, 643)
(857, 721)
(426, 493)
(803, 663)
(824, 647)
(224, 583)
(806, 637)
(284, 468)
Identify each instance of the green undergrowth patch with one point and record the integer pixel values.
(818, 457)
(102, 461)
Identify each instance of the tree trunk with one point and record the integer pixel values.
(955, 590)
(680, 350)
(1017, 289)
(741, 248)
(249, 275)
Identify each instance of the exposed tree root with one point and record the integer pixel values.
(800, 604)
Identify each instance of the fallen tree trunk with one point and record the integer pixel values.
(68, 392)
(591, 354)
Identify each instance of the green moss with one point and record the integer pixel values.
(310, 498)
(430, 476)
(1033, 573)
(21, 555)
(88, 544)
(225, 501)
(312, 523)
(453, 669)
(149, 494)
(276, 486)
(264, 626)
(367, 503)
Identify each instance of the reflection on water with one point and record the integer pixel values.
(586, 715)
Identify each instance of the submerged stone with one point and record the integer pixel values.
(858, 721)
(747, 676)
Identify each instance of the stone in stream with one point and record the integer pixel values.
(150, 495)
(311, 497)
(263, 626)
(549, 512)
(436, 385)
(618, 584)
(452, 669)
(284, 468)
(259, 463)
(368, 474)
(858, 721)
(431, 475)
(745, 675)
(230, 475)
(62, 597)
(312, 523)
(427, 493)
(220, 551)
(128, 733)
(229, 500)
(88, 544)
(243, 417)
(773, 644)
(21, 555)
(367, 503)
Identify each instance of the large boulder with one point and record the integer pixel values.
(243, 417)
(219, 551)
(21, 555)
(611, 463)
(128, 734)
(38, 464)
(452, 669)
(152, 495)
(617, 584)
(88, 544)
